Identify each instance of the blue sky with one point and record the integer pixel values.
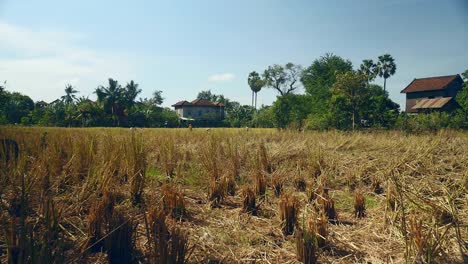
(183, 47)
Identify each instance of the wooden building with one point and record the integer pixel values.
(433, 94)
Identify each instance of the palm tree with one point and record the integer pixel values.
(386, 67)
(111, 98)
(256, 83)
(369, 69)
(69, 96)
(131, 92)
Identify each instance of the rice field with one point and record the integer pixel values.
(110, 195)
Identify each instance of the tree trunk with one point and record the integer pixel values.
(384, 84)
(353, 119)
(255, 100)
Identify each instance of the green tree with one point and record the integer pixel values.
(386, 67)
(69, 96)
(256, 83)
(112, 100)
(264, 117)
(55, 114)
(3, 103)
(284, 79)
(130, 92)
(207, 95)
(369, 69)
(465, 75)
(240, 115)
(89, 113)
(319, 77)
(379, 110)
(462, 100)
(16, 106)
(148, 112)
(352, 86)
(291, 110)
(462, 97)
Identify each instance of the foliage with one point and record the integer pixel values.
(256, 83)
(431, 122)
(264, 117)
(14, 107)
(369, 69)
(462, 96)
(284, 79)
(319, 77)
(291, 110)
(115, 106)
(465, 75)
(386, 67)
(351, 88)
(240, 115)
(336, 97)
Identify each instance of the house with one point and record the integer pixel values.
(433, 94)
(199, 109)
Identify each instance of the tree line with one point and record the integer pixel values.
(335, 96)
(116, 105)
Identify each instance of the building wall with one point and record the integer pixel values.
(451, 91)
(201, 112)
(413, 98)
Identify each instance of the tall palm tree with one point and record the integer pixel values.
(369, 69)
(386, 67)
(256, 83)
(131, 92)
(111, 98)
(69, 96)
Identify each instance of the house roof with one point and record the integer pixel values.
(430, 84)
(198, 102)
(180, 103)
(433, 103)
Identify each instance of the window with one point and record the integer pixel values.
(200, 113)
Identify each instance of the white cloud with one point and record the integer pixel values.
(40, 63)
(221, 77)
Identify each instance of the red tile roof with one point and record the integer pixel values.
(180, 103)
(198, 102)
(430, 84)
(433, 103)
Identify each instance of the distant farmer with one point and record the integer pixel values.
(8, 150)
(190, 127)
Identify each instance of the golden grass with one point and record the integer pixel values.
(97, 195)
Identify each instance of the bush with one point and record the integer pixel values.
(431, 122)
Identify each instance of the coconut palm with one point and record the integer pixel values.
(130, 93)
(69, 96)
(369, 69)
(386, 67)
(256, 83)
(112, 99)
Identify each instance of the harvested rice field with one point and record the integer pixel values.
(108, 195)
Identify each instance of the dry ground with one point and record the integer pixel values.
(425, 175)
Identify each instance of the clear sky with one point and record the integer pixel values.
(183, 47)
